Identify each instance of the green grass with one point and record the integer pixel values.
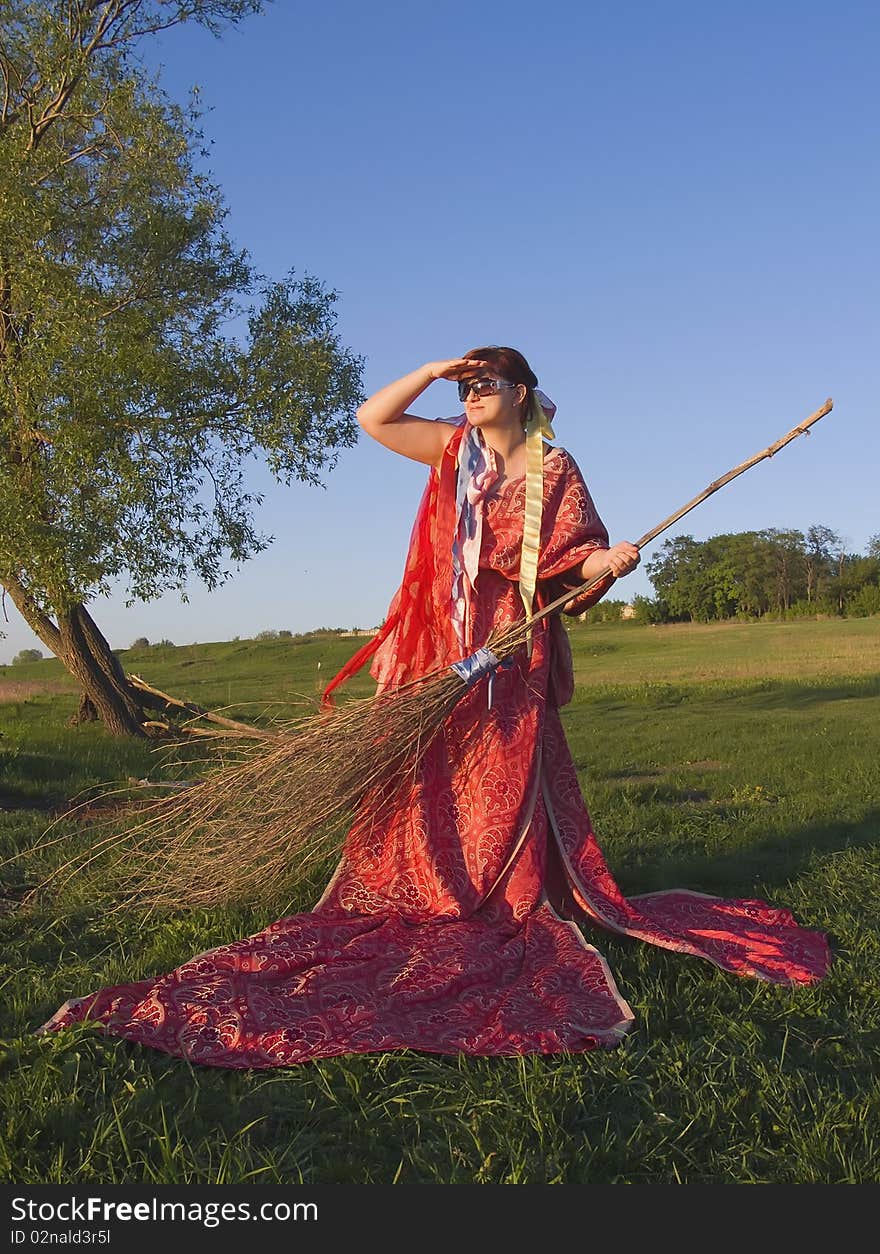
(740, 760)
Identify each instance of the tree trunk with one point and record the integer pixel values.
(109, 663)
(115, 702)
(81, 648)
(86, 712)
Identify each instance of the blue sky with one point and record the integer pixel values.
(671, 209)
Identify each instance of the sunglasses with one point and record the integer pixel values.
(482, 387)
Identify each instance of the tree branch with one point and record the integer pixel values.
(246, 730)
(27, 607)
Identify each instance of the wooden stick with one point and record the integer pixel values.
(802, 429)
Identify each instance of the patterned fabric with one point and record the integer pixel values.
(451, 924)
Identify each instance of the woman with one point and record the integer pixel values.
(450, 923)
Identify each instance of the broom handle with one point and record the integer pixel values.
(802, 429)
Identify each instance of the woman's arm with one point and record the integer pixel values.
(619, 558)
(384, 416)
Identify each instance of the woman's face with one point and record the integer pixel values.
(502, 409)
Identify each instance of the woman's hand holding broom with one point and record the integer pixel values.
(620, 559)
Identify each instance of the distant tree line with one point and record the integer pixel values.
(750, 574)
(27, 655)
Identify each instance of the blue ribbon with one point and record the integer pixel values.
(472, 668)
(482, 662)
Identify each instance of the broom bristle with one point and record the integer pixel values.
(281, 808)
(268, 819)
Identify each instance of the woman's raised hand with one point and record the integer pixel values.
(455, 368)
(385, 416)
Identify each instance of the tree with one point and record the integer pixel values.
(674, 573)
(787, 548)
(744, 572)
(840, 585)
(650, 611)
(27, 655)
(754, 572)
(128, 405)
(752, 559)
(855, 574)
(821, 543)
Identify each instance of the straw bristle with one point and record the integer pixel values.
(263, 822)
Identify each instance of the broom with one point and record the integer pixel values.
(288, 796)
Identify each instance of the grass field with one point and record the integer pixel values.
(742, 760)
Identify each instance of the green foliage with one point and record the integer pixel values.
(27, 655)
(864, 602)
(605, 611)
(803, 609)
(143, 361)
(650, 611)
(755, 573)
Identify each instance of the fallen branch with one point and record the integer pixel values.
(236, 728)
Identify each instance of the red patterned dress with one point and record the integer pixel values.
(449, 924)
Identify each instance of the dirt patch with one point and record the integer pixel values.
(23, 801)
(635, 777)
(98, 810)
(710, 764)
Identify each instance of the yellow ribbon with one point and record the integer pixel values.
(537, 429)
